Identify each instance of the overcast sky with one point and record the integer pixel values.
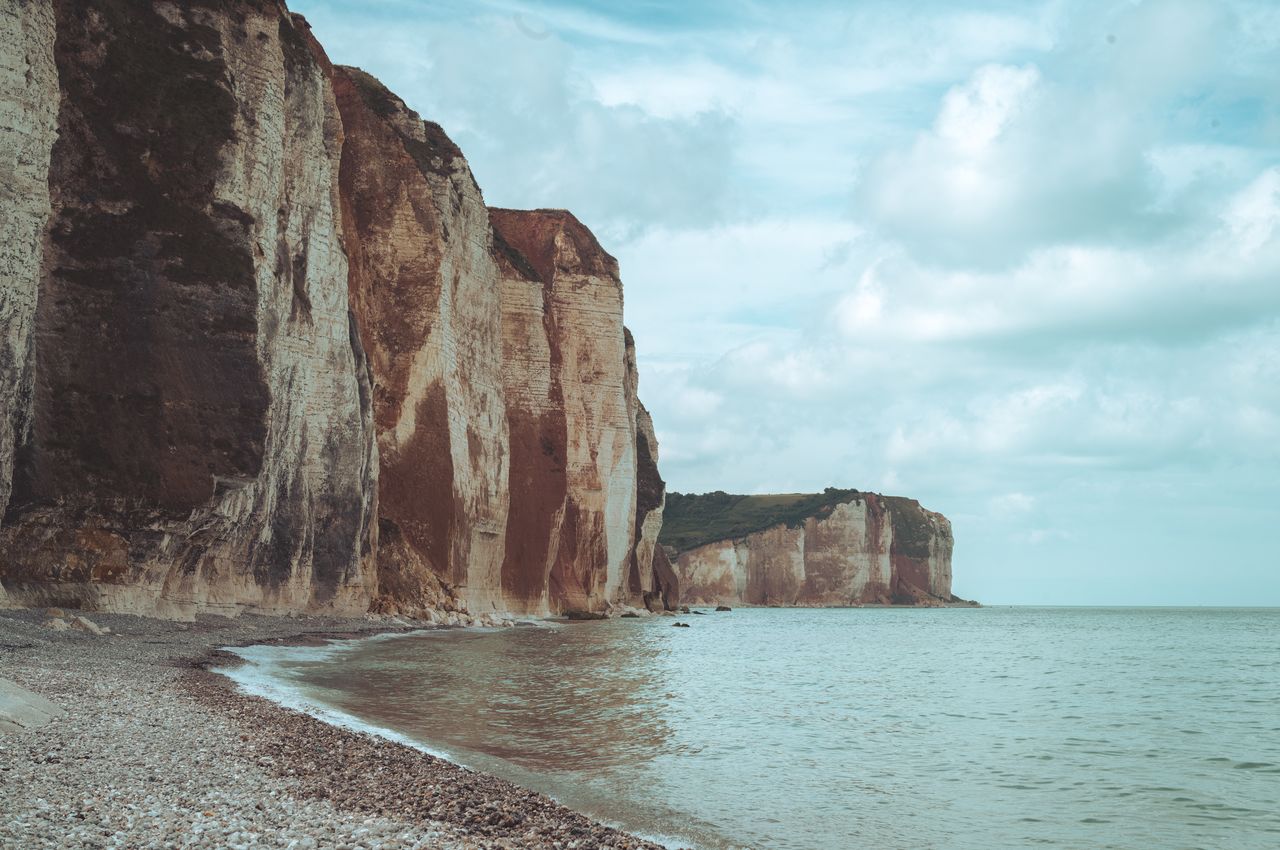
(1020, 261)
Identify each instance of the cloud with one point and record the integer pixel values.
(1010, 164)
(1218, 275)
(1012, 504)
(1253, 215)
(509, 88)
(1017, 261)
(1099, 141)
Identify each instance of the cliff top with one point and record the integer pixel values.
(425, 141)
(532, 235)
(691, 520)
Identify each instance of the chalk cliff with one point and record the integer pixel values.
(425, 295)
(261, 348)
(28, 127)
(831, 549)
(584, 507)
(651, 580)
(189, 425)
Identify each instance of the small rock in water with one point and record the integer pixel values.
(684, 609)
(584, 615)
(630, 615)
(700, 613)
(723, 608)
(680, 625)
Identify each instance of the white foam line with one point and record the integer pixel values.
(260, 676)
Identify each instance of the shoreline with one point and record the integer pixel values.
(156, 743)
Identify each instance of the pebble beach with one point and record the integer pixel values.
(157, 750)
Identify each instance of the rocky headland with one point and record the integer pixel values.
(835, 548)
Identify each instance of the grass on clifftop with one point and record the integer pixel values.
(692, 520)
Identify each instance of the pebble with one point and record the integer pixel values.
(155, 752)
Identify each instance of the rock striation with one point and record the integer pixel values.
(586, 494)
(834, 549)
(194, 434)
(425, 295)
(262, 347)
(28, 127)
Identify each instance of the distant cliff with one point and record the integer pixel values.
(263, 345)
(839, 547)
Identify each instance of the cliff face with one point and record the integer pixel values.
(255, 347)
(650, 578)
(854, 550)
(424, 290)
(28, 127)
(194, 431)
(572, 409)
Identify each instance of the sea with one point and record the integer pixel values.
(838, 729)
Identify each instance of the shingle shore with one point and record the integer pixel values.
(158, 751)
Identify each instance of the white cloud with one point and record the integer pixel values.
(1012, 504)
(1253, 215)
(1020, 262)
(974, 115)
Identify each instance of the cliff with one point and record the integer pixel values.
(425, 296)
(261, 348)
(188, 424)
(580, 439)
(840, 547)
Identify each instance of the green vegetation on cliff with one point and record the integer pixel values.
(691, 520)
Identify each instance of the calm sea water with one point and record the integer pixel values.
(989, 728)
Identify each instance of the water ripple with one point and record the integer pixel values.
(832, 730)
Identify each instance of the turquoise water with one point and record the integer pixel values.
(861, 728)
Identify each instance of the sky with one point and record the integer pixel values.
(1018, 260)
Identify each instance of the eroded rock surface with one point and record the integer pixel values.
(869, 549)
(425, 292)
(651, 581)
(261, 348)
(28, 127)
(572, 412)
(198, 434)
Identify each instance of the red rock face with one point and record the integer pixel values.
(258, 351)
(572, 411)
(424, 290)
(197, 436)
(920, 554)
(532, 366)
(666, 583)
